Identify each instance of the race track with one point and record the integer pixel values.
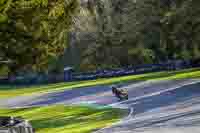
(155, 106)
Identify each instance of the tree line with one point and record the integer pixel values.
(131, 32)
(120, 33)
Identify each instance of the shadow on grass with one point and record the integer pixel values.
(49, 86)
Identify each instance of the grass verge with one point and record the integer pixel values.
(10, 91)
(66, 119)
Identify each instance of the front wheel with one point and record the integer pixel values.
(123, 98)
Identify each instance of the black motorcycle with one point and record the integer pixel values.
(122, 94)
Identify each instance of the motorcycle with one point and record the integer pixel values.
(122, 94)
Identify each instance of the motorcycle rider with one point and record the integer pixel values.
(122, 94)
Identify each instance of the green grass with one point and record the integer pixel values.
(66, 119)
(6, 91)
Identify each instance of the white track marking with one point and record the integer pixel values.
(122, 120)
(156, 93)
(130, 115)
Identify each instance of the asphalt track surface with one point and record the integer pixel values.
(171, 106)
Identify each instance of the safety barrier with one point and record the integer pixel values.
(74, 76)
(139, 69)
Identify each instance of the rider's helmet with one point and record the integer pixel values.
(114, 88)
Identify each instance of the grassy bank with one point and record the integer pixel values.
(7, 91)
(63, 119)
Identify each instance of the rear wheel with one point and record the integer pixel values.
(126, 97)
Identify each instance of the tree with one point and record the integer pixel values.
(35, 31)
(131, 32)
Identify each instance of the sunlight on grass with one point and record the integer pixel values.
(6, 92)
(66, 119)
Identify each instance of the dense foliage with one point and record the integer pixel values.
(131, 32)
(106, 33)
(33, 33)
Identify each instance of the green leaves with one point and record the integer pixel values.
(34, 30)
(3, 18)
(147, 30)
